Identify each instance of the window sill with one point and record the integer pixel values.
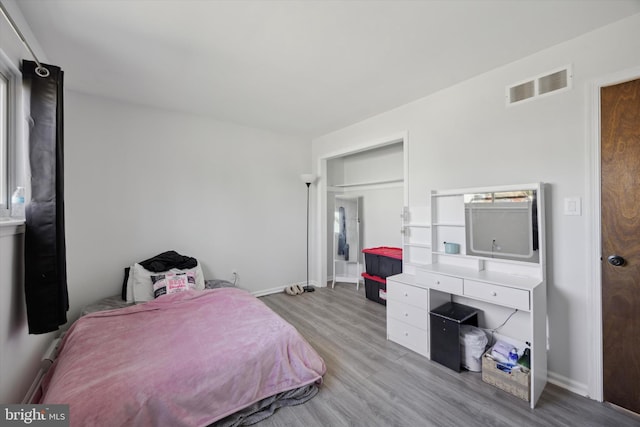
(11, 226)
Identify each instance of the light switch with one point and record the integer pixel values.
(572, 206)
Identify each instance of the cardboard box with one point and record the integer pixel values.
(516, 382)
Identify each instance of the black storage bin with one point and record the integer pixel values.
(445, 332)
(371, 264)
(383, 261)
(375, 288)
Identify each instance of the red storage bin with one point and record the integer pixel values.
(383, 261)
(375, 288)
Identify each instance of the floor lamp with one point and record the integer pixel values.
(308, 178)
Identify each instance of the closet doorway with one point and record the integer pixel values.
(376, 176)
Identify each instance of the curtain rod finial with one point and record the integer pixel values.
(42, 71)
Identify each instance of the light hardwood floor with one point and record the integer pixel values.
(374, 382)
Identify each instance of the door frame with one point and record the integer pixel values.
(321, 193)
(594, 296)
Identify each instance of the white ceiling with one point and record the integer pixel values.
(298, 67)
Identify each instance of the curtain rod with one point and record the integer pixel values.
(40, 69)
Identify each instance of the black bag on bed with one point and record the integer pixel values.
(168, 260)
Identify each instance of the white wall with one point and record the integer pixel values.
(20, 353)
(381, 210)
(140, 181)
(464, 136)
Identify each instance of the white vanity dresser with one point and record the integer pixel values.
(496, 264)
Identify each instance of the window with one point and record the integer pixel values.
(4, 83)
(8, 150)
(4, 164)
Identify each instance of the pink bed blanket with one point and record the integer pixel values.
(186, 359)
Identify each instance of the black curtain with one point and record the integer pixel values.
(45, 253)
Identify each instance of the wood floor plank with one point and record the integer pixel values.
(371, 381)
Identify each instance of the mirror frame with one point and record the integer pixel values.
(535, 225)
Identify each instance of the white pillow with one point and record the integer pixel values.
(130, 285)
(172, 283)
(142, 287)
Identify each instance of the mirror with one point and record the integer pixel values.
(346, 229)
(503, 225)
(346, 240)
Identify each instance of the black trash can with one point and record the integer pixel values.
(445, 332)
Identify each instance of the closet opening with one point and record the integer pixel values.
(369, 187)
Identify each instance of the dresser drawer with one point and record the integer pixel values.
(415, 316)
(451, 285)
(408, 336)
(407, 294)
(501, 295)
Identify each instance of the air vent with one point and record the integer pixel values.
(554, 81)
(522, 91)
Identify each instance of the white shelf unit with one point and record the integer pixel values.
(379, 167)
(416, 237)
(497, 287)
(447, 213)
(369, 184)
(346, 272)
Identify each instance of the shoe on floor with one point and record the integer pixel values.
(294, 290)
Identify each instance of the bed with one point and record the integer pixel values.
(193, 358)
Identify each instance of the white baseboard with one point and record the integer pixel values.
(47, 360)
(279, 289)
(569, 384)
(265, 292)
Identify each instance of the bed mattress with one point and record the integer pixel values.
(187, 359)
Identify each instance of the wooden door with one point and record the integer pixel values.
(620, 191)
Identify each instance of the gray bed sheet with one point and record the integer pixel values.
(115, 301)
(109, 303)
(266, 407)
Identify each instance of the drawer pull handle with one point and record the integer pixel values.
(494, 293)
(406, 294)
(406, 315)
(406, 334)
(437, 282)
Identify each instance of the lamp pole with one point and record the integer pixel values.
(307, 287)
